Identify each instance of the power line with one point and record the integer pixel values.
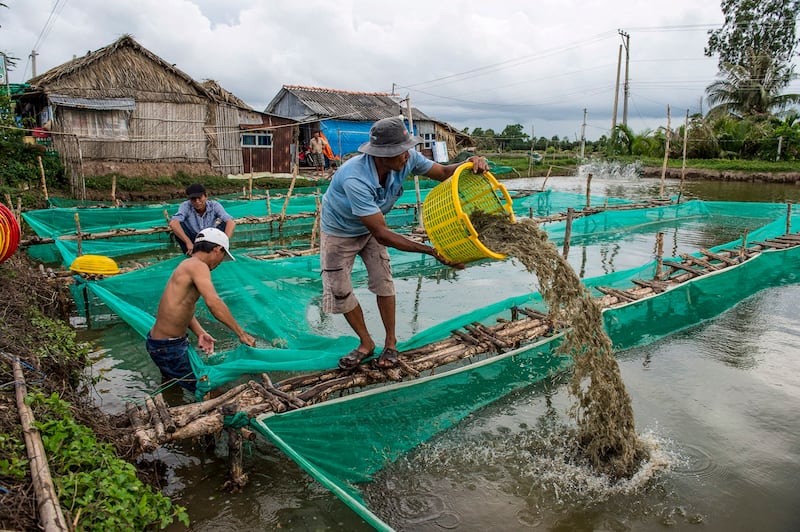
(55, 12)
(502, 65)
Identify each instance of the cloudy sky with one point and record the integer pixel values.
(470, 63)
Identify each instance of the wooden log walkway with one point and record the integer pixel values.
(155, 424)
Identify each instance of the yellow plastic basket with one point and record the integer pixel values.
(446, 209)
(94, 264)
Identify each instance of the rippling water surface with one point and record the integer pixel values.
(717, 403)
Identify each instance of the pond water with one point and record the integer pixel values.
(720, 401)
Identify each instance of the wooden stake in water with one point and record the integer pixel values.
(659, 253)
(683, 165)
(315, 226)
(744, 245)
(668, 134)
(549, 169)
(78, 232)
(588, 191)
(568, 230)
(788, 217)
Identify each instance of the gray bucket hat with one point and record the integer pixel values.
(389, 137)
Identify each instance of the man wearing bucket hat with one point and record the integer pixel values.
(197, 213)
(361, 192)
(168, 342)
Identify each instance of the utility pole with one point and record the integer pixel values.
(416, 177)
(626, 41)
(410, 118)
(530, 155)
(616, 96)
(583, 134)
(33, 55)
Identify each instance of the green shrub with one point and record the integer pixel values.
(100, 490)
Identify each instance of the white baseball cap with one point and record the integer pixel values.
(215, 236)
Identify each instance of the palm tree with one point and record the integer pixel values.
(751, 89)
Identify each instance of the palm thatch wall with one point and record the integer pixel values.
(176, 122)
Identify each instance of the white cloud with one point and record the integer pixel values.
(471, 63)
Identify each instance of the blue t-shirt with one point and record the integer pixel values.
(355, 192)
(214, 210)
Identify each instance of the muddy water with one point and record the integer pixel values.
(719, 400)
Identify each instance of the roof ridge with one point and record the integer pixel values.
(340, 91)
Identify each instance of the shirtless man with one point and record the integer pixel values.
(168, 341)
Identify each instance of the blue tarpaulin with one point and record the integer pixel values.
(344, 136)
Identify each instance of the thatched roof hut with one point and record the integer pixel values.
(123, 109)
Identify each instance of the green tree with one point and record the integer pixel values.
(752, 88)
(763, 27)
(786, 134)
(513, 137)
(485, 139)
(702, 143)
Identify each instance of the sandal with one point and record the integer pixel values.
(353, 359)
(388, 358)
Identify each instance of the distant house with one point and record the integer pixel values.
(344, 117)
(122, 109)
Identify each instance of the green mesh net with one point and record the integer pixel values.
(343, 442)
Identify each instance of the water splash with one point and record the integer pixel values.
(611, 170)
(520, 477)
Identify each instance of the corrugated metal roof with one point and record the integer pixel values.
(348, 105)
(100, 104)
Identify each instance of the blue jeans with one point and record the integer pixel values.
(172, 358)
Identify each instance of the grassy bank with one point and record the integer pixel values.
(568, 164)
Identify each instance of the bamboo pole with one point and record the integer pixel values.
(316, 225)
(788, 217)
(44, 181)
(78, 233)
(683, 164)
(269, 206)
(659, 253)
(666, 155)
(588, 190)
(286, 201)
(114, 190)
(568, 231)
(50, 516)
(549, 169)
(743, 249)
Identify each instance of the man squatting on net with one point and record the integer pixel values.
(198, 213)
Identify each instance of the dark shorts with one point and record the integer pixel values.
(172, 358)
